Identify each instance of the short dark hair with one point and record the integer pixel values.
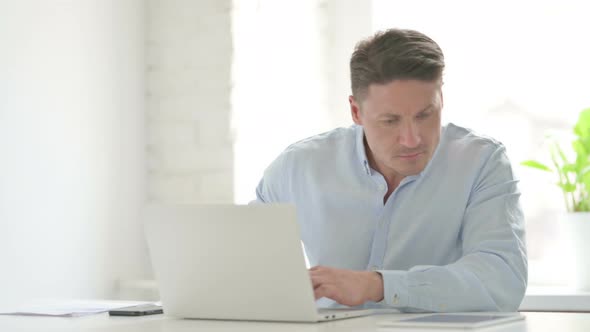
(394, 54)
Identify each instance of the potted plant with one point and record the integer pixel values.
(573, 177)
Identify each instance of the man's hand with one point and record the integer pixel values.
(346, 287)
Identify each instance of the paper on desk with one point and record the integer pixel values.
(69, 308)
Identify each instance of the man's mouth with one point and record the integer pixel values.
(410, 156)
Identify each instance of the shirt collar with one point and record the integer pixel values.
(360, 149)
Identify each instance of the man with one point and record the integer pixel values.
(397, 210)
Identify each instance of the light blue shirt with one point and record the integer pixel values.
(448, 239)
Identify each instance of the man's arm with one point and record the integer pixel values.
(492, 273)
(273, 187)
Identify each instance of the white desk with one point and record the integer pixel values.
(535, 322)
(555, 299)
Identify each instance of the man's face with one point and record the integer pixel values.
(401, 121)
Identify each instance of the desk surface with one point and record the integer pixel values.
(535, 322)
(555, 299)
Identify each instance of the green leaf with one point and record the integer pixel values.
(586, 143)
(586, 179)
(537, 165)
(580, 148)
(569, 168)
(582, 128)
(567, 187)
(582, 154)
(581, 162)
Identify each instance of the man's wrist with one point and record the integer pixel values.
(375, 286)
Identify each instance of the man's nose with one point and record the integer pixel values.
(409, 136)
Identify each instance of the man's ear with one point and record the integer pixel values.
(355, 110)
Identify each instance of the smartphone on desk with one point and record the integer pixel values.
(138, 310)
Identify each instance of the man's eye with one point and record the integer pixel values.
(390, 121)
(423, 115)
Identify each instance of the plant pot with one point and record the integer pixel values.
(577, 232)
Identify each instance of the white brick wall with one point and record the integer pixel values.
(189, 62)
(189, 55)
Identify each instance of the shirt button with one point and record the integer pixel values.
(374, 268)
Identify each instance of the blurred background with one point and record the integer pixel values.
(106, 105)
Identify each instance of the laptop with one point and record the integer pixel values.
(237, 262)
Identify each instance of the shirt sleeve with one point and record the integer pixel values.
(492, 273)
(273, 188)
